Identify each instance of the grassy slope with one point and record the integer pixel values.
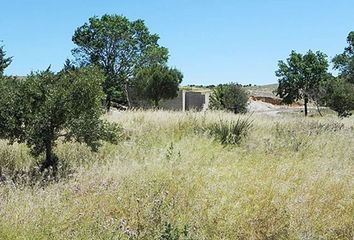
(264, 90)
(292, 178)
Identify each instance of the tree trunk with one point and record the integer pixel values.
(318, 109)
(108, 102)
(305, 105)
(50, 159)
(156, 104)
(126, 90)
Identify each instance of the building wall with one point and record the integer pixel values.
(187, 101)
(173, 104)
(194, 101)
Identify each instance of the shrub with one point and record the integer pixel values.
(174, 233)
(230, 132)
(158, 82)
(340, 97)
(231, 97)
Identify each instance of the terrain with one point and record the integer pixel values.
(290, 178)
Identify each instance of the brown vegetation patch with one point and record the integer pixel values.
(272, 100)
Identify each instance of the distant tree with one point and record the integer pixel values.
(158, 82)
(120, 48)
(340, 96)
(300, 77)
(344, 62)
(340, 91)
(231, 97)
(4, 61)
(46, 106)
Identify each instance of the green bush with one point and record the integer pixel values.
(340, 97)
(231, 97)
(230, 132)
(174, 233)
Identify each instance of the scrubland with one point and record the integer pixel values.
(290, 178)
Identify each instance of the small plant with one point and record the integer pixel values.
(230, 132)
(174, 233)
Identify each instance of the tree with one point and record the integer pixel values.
(120, 48)
(340, 91)
(158, 82)
(340, 96)
(344, 62)
(231, 97)
(45, 106)
(4, 61)
(300, 77)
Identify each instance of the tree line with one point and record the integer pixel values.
(306, 77)
(120, 61)
(115, 61)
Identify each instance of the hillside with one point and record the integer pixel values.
(263, 90)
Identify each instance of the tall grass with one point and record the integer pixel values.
(230, 132)
(291, 178)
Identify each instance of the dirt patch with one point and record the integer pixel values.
(274, 101)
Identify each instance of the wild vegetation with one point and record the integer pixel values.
(229, 97)
(121, 48)
(306, 77)
(45, 106)
(289, 178)
(70, 170)
(4, 61)
(156, 83)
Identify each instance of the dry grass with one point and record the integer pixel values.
(291, 178)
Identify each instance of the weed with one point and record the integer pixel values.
(230, 132)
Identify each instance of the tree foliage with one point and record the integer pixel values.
(340, 92)
(4, 61)
(300, 77)
(340, 96)
(158, 82)
(45, 106)
(120, 48)
(344, 62)
(231, 97)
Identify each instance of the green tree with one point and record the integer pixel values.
(340, 91)
(340, 96)
(231, 97)
(344, 62)
(158, 82)
(301, 76)
(120, 48)
(4, 61)
(45, 106)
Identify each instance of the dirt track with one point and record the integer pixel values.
(270, 109)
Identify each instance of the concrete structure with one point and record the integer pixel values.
(187, 100)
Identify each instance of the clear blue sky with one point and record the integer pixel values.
(210, 41)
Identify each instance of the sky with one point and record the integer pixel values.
(210, 41)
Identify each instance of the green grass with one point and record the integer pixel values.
(289, 178)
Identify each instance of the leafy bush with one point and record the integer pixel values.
(157, 82)
(231, 97)
(340, 97)
(230, 132)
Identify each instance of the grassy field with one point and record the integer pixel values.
(290, 178)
